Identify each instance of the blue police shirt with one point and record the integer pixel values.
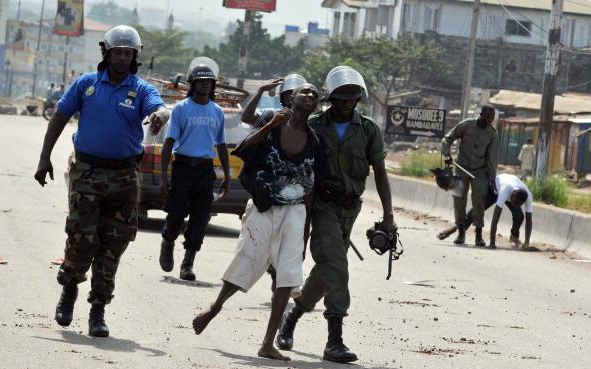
(110, 123)
(341, 129)
(196, 128)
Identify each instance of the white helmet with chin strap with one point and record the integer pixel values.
(202, 67)
(122, 36)
(290, 83)
(343, 75)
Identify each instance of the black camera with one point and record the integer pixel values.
(382, 241)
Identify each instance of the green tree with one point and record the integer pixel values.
(267, 57)
(167, 47)
(197, 40)
(387, 65)
(110, 13)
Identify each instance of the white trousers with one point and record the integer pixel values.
(275, 237)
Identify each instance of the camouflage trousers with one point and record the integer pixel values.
(102, 220)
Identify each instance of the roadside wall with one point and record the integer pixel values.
(566, 230)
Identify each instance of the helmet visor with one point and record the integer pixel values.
(204, 61)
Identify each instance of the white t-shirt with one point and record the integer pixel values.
(506, 184)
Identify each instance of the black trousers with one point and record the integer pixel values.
(516, 212)
(191, 194)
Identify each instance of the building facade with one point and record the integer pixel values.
(512, 35)
(83, 54)
(314, 36)
(512, 21)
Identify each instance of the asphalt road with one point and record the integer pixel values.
(445, 306)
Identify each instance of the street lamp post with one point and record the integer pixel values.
(8, 70)
(36, 59)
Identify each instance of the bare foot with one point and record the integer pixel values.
(202, 319)
(272, 353)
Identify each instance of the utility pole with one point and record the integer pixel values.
(470, 65)
(64, 72)
(35, 61)
(552, 58)
(243, 48)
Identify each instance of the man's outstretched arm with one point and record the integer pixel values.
(493, 225)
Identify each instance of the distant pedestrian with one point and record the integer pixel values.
(57, 94)
(526, 157)
(49, 92)
(103, 180)
(72, 77)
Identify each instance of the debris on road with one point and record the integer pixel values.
(2, 261)
(417, 303)
(420, 284)
(437, 351)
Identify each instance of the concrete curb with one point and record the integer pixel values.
(566, 230)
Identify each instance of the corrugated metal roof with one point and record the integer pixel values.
(573, 7)
(563, 105)
(582, 119)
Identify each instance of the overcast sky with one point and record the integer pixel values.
(293, 12)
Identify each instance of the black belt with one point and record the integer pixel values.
(96, 162)
(192, 161)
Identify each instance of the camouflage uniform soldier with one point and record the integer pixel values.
(478, 153)
(103, 181)
(352, 143)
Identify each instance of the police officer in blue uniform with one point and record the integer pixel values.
(103, 181)
(196, 128)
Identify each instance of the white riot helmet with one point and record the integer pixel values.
(122, 36)
(202, 68)
(290, 83)
(343, 76)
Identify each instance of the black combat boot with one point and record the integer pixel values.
(187, 265)
(64, 311)
(478, 240)
(461, 239)
(290, 318)
(335, 349)
(166, 255)
(446, 233)
(96, 321)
